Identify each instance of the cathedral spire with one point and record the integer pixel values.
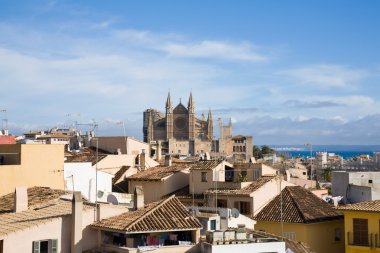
(210, 127)
(190, 105)
(169, 107)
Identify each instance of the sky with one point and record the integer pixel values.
(285, 72)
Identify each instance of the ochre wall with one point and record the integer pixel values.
(373, 228)
(320, 237)
(41, 165)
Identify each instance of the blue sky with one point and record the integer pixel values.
(287, 72)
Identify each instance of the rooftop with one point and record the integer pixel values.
(298, 206)
(86, 155)
(205, 165)
(368, 206)
(119, 174)
(294, 246)
(37, 196)
(255, 185)
(51, 208)
(158, 173)
(165, 215)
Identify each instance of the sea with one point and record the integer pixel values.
(346, 151)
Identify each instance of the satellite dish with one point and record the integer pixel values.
(235, 213)
(112, 199)
(100, 194)
(223, 212)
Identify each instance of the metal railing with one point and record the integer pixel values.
(372, 240)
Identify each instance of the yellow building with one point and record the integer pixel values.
(31, 165)
(300, 215)
(362, 226)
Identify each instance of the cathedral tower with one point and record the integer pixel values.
(169, 118)
(210, 127)
(191, 109)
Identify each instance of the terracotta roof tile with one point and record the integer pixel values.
(294, 246)
(255, 185)
(164, 215)
(13, 222)
(36, 196)
(298, 206)
(205, 165)
(158, 173)
(184, 193)
(368, 206)
(119, 174)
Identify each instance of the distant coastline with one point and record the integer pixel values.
(346, 151)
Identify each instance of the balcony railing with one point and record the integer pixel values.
(372, 240)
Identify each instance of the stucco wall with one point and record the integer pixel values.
(320, 237)
(41, 165)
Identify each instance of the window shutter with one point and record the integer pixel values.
(54, 246)
(36, 247)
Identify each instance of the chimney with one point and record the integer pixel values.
(159, 152)
(76, 223)
(138, 198)
(168, 160)
(142, 160)
(20, 199)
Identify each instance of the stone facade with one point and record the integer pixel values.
(178, 130)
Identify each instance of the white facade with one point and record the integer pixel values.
(356, 187)
(273, 247)
(82, 177)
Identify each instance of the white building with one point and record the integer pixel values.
(356, 187)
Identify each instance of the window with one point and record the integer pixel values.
(370, 181)
(243, 207)
(290, 235)
(360, 231)
(304, 173)
(1, 246)
(337, 237)
(45, 246)
(222, 203)
(243, 173)
(213, 224)
(204, 176)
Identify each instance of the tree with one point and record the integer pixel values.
(265, 149)
(256, 152)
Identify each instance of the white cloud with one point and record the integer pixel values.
(215, 49)
(326, 76)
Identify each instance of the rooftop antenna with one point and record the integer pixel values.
(4, 121)
(94, 126)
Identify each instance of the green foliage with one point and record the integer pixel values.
(242, 178)
(265, 149)
(257, 152)
(327, 174)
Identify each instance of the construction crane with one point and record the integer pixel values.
(4, 120)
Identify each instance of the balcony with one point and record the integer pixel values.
(372, 240)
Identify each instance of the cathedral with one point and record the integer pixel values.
(179, 131)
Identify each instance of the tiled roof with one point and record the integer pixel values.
(13, 222)
(158, 173)
(184, 193)
(164, 215)
(85, 157)
(368, 206)
(294, 246)
(205, 165)
(36, 196)
(298, 206)
(119, 174)
(255, 185)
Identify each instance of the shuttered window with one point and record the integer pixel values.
(360, 231)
